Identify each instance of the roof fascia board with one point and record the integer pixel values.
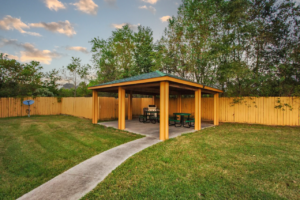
(164, 78)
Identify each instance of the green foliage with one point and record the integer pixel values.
(59, 99)
(51, 79)
(76, 72)
(18, 79)
(124, 54)
(283, 106)
(43, 92)
(244, 47)
(143, 50)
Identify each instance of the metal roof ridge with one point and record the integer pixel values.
(160, 73)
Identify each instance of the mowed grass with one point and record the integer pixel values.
(231, 161)
(34, 150)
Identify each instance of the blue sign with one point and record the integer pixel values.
(28, 102)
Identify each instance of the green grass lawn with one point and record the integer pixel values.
(34, 150)
(232, 161)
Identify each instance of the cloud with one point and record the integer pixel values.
(150, 8)
(11, 23)
(165, 18)
(78, 48)
(87, 6)
(12, 57)
(54, 5)
(150, 1)
(29, 52)
(131, 26)
(111, 2)
(59, 27)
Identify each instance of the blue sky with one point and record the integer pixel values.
(52, 31)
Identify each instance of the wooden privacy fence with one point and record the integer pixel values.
(108, 107)
(14, 107)
(259, 110)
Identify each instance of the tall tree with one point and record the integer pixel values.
(143, 50)
(76, 72)
(51, 79)
(18, 79)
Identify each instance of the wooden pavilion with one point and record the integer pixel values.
(156, 83)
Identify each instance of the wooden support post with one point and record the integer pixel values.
(153, 100)
(130, 106)
(198, 109)
(179, 103)
(164, 111)
(95, 107)
(121, 113)
(216, 109)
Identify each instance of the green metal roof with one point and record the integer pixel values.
(154, 74)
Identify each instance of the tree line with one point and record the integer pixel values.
(244, 47)
(27, 79)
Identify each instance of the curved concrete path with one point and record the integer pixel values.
(81, 179)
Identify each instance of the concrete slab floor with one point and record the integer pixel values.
(152, 130)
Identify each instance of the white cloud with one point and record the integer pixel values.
(131, 26)
(150, 8)
(59, 27)
(150, 1)
(78, 48)
(54, 5)
(11, 56)
(29, 52)
(165, 18)
(11, 23)
(111, 2)
(87, 6)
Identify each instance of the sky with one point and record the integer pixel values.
(52, 31)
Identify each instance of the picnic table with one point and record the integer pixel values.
(182, 116)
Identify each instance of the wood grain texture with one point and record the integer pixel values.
(254, 110)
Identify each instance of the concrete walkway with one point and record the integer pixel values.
(81, 179)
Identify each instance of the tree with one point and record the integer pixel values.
(51, 79)
(143, 50)
(18, 79)
(124, 54)
(76, 71)
(43, 92)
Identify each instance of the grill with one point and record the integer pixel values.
(153, 108)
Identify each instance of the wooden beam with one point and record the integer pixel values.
(121, 109)
(130, 106)
(164, 111)
(153, 100)
(95, 107)
(150, 90)
(216, 109)
(147, 85)
(158, 79)
(143, 93)
(198, 109)
(175, 85)
(150, 80)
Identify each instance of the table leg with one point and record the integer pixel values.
(181, 120)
